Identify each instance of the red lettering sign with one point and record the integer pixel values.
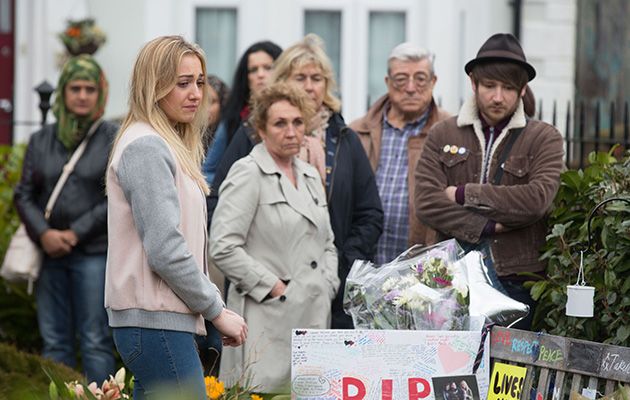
(387, 389)
(414, 394)
(348, 381)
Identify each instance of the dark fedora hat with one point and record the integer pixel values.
(501, 47)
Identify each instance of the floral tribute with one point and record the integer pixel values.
(116, 387)
(112, 389)
(215, 390)
(82, 36)
(422, 289)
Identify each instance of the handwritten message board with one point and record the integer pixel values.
(557, 352)
(506, 382)
(381, 364)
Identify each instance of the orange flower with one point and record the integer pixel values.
(73, 31)
(256, 397)
(214, 387)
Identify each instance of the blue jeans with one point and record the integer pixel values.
(161, 361)
(518, 292)
(210, 348)
(70, 303)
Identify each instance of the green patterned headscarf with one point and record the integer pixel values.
(71, 128)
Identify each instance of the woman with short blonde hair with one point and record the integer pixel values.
(308, 51)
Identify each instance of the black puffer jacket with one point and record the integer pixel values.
(81, 205)
(355, 209)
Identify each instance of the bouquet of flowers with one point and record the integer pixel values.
(82, 36)
(112, 389)
(422, 289)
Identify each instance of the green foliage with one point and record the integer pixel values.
(17, 308)
(22, 374)
(606, 263)
(10, 172)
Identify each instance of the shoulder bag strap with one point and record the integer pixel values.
(506, 151)
(69, 167)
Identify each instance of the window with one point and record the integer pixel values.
(327, 25)
(216, 34)
(386, 30)
(5, 16)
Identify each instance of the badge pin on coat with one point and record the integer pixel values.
(453, 149)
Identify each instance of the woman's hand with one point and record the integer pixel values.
(278, 289)
(58, 243)
(232, 327)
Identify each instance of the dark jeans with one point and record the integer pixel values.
(518, 292)
(164, 363)
(70, 303)
(210, 348)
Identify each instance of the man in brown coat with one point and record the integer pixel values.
(393, 132)
(488, 176)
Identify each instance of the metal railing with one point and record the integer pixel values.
(593, 128)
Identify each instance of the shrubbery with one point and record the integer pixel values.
(22, 375)
(606, 263)
(18, 321)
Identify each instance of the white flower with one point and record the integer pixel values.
(416, 296)
(120, 377)
(390, 283)
(460, 284)
(408, 280)
(401, 300)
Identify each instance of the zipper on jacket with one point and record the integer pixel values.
(486, 160)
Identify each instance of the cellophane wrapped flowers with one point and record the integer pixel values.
(422, 289)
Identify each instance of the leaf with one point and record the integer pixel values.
(538, 289)
(53, 393)
(62, 389)
(610, 278)
(611, 298)
(622, 333)
(571, 179)
(558, 230)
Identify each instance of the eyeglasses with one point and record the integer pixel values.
(419, 80)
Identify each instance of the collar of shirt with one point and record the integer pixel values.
(411, 128)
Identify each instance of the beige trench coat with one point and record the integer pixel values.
(265, 229)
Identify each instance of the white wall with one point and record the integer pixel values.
(549, 40)
(456, 30)
(453, 29)
(36, 55)
(125, 23)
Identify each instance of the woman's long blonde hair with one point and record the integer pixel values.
(154, 76)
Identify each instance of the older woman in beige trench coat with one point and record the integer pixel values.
(271, 236)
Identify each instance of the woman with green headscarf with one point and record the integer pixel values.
(70, 289)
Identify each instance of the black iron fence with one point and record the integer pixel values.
(587, 128)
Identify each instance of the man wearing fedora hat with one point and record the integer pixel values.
(488, 176)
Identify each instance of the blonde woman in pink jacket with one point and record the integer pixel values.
(157, 294)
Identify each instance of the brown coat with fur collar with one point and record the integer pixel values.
(519, 202)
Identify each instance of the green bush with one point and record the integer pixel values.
(606, 263)
(17, 308)
(10, 170)
(22, 374)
